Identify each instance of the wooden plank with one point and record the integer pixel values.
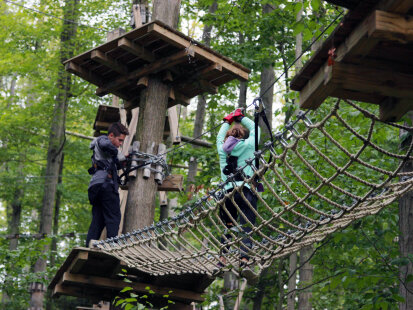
(393, 109)
(361, 78)
(358, 44)
(172, 183)
(317, 89)
(181, 42)
(90, 77)
(114, 284)
(78, 263)
(163, 199)
(159, 65)
(99, 125)
(136, 50)
(392, 27)
(109, 62)
(198, 142)
(396, 6)
(174, 125)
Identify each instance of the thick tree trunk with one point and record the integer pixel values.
(306, 277)
(260, 292)
(56, 142)
(267, 87)
(53, 245)
(292, 274)
(406, 242)
(200, 110)
(140, 207)
(243, 85)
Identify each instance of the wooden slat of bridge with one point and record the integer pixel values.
(373, 65)
(93, 274)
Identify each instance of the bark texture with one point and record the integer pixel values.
(56, 142)
(306, 277)
(267, 87)
(201, 107)
(140, 206)
(243, 85)
(406, 241)
(292, 282)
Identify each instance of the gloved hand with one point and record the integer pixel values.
(229, 118)
(238, 115)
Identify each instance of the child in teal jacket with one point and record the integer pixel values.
(235, 145)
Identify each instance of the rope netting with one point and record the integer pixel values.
(321, 173)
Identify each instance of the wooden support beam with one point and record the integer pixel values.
(140, 288)
(174, 125)
(172, 183)
(136, 50)
(89, 76)
(109, 62)
(181, 42)
(78, 263)
(392, 109)
(364, 79)
(396, 6)
(392, 27)
(155, 67)
(317, 89)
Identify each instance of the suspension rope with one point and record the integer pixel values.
(295, 211)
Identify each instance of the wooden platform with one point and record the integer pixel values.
(94, 275)
(121, 66)
(373, 63)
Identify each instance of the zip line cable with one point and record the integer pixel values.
(57, 17)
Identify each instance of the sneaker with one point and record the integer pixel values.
(251, 276)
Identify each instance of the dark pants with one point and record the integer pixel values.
(246, 210)
(105, 211)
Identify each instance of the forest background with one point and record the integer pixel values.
(356, 268)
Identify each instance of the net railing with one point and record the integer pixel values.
(319, 175)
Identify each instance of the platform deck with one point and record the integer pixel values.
(95, 275)
(122, 65)
(372, 64)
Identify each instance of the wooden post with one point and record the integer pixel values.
(140, 208)
(158, 175)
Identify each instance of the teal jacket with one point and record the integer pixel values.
(244, 150)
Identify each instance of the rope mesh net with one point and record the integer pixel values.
(319, 175)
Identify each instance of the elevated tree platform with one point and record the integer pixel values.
(93, 274)
(121, 66)
(373, 62)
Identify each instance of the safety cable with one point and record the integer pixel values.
(302, 53)
(272, 84)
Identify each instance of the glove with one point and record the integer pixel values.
(238, 115)
(229, 118)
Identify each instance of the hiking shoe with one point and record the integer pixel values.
(249, 274)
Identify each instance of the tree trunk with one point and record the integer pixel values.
(200, 110)
(56, 142)
(267, 87)
(292, 275)
(406, 241)
(140, 207)
(306, 277)
(243, 85)
(259, 295)
(280, 284)
(56, 217)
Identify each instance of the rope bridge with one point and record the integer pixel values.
(319, 176)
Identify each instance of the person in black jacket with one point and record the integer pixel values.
(103, 187)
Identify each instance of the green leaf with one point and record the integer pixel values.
(125, 289)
